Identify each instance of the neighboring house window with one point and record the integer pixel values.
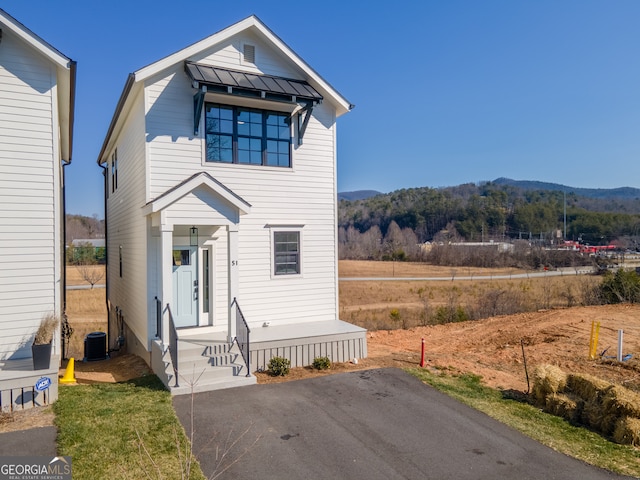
(286, 248)
(247, 136)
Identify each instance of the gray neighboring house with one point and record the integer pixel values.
(37, 95)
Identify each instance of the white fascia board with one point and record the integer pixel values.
(173, 196)
(342, 105)
(65, 73)
(193, 49)
(127, 97)
(34, 40)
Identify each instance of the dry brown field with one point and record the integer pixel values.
(74, 275)
(368, 268)
(370, 303)
(86, 311)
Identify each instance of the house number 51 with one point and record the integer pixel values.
(234, 263)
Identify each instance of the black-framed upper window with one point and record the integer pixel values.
(287, 253)
(247, 136)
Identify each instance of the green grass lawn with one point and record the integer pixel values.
(547, 429)
(123, 430)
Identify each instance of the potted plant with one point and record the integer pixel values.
(41, 348)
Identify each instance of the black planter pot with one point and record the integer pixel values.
(41, 356)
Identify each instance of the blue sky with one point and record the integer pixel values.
(446, 92)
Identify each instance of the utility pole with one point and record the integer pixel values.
(565, 214)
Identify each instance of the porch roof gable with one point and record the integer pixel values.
(189, 185)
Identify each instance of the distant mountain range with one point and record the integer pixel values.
(621, 192)
(602, 193)
(358, 195)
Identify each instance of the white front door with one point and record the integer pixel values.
(185, 287)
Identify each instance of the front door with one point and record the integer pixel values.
(185, 287)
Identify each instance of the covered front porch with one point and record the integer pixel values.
(193, 232)
(206, 361)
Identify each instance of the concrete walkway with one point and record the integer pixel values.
(34, 441)
(374, 424)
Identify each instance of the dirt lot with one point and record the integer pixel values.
(492, 347)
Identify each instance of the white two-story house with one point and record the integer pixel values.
(37, 92)
(221, 211)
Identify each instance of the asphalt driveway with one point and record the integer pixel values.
(373, 424)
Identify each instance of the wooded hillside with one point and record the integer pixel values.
(81, 227)
(492, 211)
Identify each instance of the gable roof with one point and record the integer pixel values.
(189, 185)
(251, 23)
(66, 77)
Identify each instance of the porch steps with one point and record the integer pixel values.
(205, 365)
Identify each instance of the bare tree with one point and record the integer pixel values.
(90, 273)
(87, 266)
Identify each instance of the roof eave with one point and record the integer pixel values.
(35, 41)
(329, 93)
(131, 80)
(69, 118)
(66, 78)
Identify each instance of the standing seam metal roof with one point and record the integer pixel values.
(209, 75)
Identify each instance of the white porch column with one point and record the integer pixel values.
(166, 271)
(232, 256)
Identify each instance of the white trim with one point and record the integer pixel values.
(58, 241)
(273, 228)
(254, 23)
(34, 40)
(202, 179)
(335, 219)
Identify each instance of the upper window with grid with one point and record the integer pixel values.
(247, 136)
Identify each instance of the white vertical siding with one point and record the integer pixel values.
(127, 227)
(30, 211)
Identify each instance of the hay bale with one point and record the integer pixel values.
(627, 431)
(565, 406)
(594, 416)
(621, 402)
(547, 380)
(590, 389)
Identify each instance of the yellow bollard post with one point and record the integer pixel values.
(69, 376)
(593, 340)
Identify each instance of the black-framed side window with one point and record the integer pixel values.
(114, 171)
(247, 136)
(286, 253)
